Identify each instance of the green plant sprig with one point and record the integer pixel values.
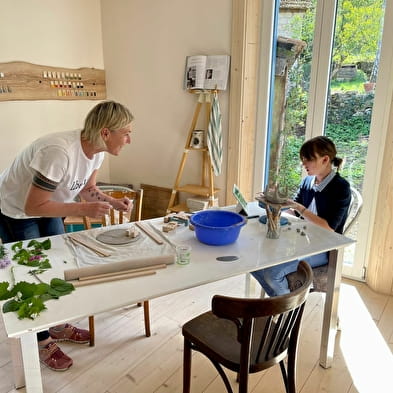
(33, 255)
(25, 298)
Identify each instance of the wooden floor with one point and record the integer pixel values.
(123, 360)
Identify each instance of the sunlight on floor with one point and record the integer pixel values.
(368, 357)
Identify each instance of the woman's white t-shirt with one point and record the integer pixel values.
(60, 158)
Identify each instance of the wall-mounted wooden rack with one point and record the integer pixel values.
(25, 81)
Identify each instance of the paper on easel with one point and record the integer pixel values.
(207, 72)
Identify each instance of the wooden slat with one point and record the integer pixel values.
(154, 364)
(243, 97)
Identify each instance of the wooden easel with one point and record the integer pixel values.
(206, 186)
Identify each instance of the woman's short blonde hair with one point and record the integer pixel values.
(107, 114)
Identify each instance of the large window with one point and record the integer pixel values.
(328, 89)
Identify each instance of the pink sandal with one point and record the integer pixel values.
(54, 358)
(69, 333)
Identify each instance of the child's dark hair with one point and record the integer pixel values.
(323, 146)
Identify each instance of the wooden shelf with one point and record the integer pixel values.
(198, 149)
(206, 187)
(197, 190)
(182, 207)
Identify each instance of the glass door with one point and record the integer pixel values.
(354, 71)
(330, 90)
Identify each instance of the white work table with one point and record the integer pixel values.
(254, 250)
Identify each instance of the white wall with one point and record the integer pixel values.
(145, 45)
(62, 33)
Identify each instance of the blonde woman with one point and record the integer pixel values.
(40, 186)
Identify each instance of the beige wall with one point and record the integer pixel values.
(145, 45)
(64, 33)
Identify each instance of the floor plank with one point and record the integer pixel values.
(124, 360)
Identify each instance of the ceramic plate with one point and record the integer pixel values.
(116, 236)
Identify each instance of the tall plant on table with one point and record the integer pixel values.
(274, 196)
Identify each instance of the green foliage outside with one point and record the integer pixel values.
(356, 84)
(349, 107)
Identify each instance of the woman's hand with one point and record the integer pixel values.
(95, 209)
(122, 204)
(295, 206)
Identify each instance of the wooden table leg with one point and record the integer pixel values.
(31, 363)
(329, 324)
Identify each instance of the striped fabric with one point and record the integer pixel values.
(214, 135)
(40, 181)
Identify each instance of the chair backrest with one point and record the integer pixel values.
(266, 328)
(117, 217)
(354, 210)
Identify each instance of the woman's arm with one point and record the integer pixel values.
(39, 203)
(92, 193)
(310, 216)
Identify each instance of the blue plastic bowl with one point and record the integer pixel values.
(217, 227)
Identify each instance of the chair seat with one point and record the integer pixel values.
(222, 346)
(217, 338)
(320, 278)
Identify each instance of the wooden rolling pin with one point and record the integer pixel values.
(117, 277)
(118, 267)
(141, 269)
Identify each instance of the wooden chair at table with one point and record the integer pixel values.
(116, 217)
(249, 335)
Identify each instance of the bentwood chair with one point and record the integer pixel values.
(321, 272)
(116, 217)
(249, 335)
(117, 192)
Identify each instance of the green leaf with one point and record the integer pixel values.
(45, 264)
(54, 294)
(46, 244)
(28, 298)
(41, 289)
(16, 245)
(11, 305)
(21, 256)
(24, 289)
(4, 292)
(48, 296)
(61, 286)
(31, 308)
(34, 243)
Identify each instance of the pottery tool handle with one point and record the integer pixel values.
(112, 278)
(162, 235)
(89, 246)
(150, 233)
(140, 269)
